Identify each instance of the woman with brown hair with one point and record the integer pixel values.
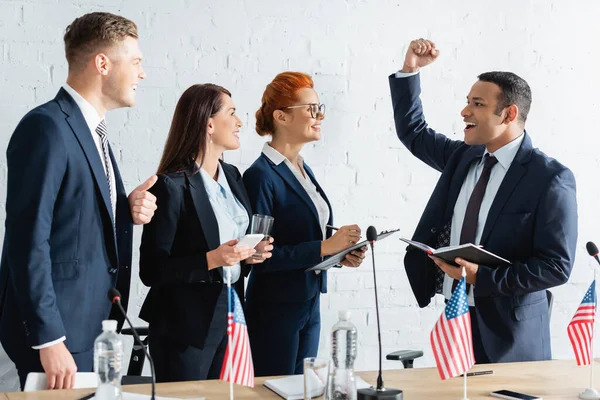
(283, 300)
(188, 250)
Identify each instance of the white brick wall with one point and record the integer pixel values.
(350, 47)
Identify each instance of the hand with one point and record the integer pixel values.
(142, 203)
(264, 248)
(343, 238)
(59, 366)
(355, 257)
(227, 255)
(456, 272)
(420, 53)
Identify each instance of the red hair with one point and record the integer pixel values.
(281, 92)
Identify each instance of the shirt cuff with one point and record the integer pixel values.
(401, 74)
(52, 343)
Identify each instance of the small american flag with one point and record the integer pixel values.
(451, 338)
(239, 369)
(581, 327)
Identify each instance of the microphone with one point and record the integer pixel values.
(371, 235)
(380, 392)
(592, 250)
(115, 297)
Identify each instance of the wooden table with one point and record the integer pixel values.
(558, 379)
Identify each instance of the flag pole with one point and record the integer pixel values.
(592, 345)
(464, 275)
(229, 352)
(591, 393)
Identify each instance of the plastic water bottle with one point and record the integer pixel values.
(342, 383)
(108, 362)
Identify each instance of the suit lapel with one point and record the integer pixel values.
(284, 172)
(84, 136)
(458, 178)
(238, 190)
(204, 210)
(512, 178)
(311, 175)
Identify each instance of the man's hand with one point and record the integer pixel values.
(59, 366)
(456, 272)
(142, 203)
(421, 52)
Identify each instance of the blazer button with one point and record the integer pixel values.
(433, 230)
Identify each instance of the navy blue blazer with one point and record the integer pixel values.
(60, 254)
(184, 293)
(275, 191)
(532, 222)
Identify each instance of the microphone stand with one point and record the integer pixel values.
(117, 300)
(380, 392)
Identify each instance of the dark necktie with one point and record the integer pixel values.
(469, 228)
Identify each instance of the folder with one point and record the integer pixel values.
(335, 259)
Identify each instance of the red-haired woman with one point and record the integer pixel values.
(282, 299)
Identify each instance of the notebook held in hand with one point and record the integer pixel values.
(468, 251)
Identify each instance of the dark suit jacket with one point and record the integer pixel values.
(59, 243)
(173, 261)
(532, 222)
(275, 191)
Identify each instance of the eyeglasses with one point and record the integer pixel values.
(315, 108)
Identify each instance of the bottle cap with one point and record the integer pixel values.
(109, 325)
(344, 315)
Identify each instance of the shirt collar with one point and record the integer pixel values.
(506, 154)
(211, 185)
(90, 114)
(276, 157)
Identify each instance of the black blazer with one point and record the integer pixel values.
(173, 262)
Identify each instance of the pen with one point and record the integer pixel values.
(477, 373)
(331, 227)
(89, 396)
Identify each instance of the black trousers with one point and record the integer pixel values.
(478, 350)
(176, 362)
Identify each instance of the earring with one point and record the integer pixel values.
(211, 138)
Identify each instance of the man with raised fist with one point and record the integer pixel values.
(495, 190)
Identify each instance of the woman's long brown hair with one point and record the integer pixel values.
(187, 136)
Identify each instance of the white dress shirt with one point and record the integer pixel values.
(505, 156)
(232, 217)
(302, 177)
(92, 120)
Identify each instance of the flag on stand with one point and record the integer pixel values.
(581, 327)
(237, 365)
(451, 338)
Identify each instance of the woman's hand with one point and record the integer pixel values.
(346, 236)
(227, 255)
(355, 257)
(263, 251)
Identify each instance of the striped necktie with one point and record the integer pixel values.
(101, 131)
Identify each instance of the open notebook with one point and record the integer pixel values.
(292, 387)
(468, 251)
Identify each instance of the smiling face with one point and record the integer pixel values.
(122, 74)
(302, 127)
(224, 126)
(484, 124)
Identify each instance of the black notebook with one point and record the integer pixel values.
(468, 251)
(335, 259)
